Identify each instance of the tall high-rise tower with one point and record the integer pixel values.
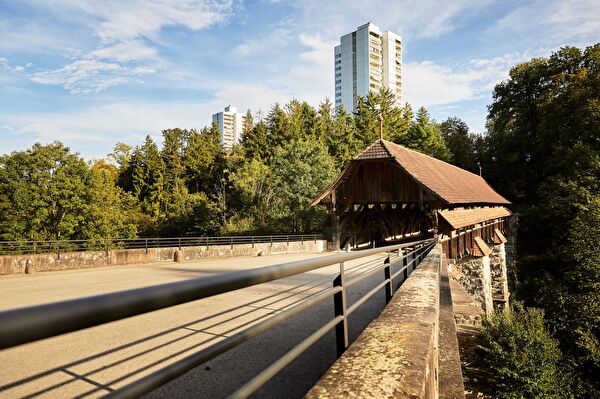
(230, 123)
(366, 60)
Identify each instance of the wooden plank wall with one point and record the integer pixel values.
(456, 247)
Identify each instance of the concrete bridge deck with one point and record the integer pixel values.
(89, 363)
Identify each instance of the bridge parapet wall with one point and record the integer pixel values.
(396, 356)
(19, 264)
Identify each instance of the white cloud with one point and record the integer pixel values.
(126, 31)
(556, 22)
(311, 77)
(142, 18)
(425, 18)
(428, 83)
(89, 76)
(278, 37)
(125, 51)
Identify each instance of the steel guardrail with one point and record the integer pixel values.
(63, 246)
(20, 326)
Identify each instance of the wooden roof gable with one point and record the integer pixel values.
(450, 183)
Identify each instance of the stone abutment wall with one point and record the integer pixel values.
(485, 278)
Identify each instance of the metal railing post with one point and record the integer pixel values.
(404, 264)
(339, 308)
(179, 243)
(146, 241)
(387, 273)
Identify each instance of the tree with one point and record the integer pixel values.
(543, 150)
(201, 158)
(302, 120)
(342, 139)
(278, 126)
(248, 122)
(252, 183)
(522, 355)
(110, 212)
(148, 177)
(460, 143)
(425, 136)
(371, 107)
(48, 193)
(43, 192)
(255, 142)
(175, 191)
(300, 169)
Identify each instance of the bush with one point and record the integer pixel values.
(522, 355)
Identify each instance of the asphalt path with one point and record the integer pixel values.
(92, 362)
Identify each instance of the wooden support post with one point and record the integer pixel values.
(336, 222)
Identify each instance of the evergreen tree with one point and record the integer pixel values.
(200, 158)
(425, 136)
(248, 122)
(175, 191)
(255, 142)
(380, 104)
(278, 126)
(342, 142)
(148, 178)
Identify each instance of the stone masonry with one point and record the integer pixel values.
(498, 271)
(475, 276)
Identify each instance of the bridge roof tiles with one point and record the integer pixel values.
(459, 218)
(450, 183)
(453, 184)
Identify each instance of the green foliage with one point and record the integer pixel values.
(369, 109)
(460, 144)
(522, 355)
(543, 149)
(425, 136)
(109, 209)
(201, 158)
(342, 139)
(254, 142)
(300, 170)
(253, 185)
(47, 192)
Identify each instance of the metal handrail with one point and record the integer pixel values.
(20, 326)
(62, 246)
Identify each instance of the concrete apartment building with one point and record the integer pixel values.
(231, 124)
(366, 60)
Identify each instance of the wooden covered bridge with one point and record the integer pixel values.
(389, 193)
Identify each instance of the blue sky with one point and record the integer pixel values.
(91, 73)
